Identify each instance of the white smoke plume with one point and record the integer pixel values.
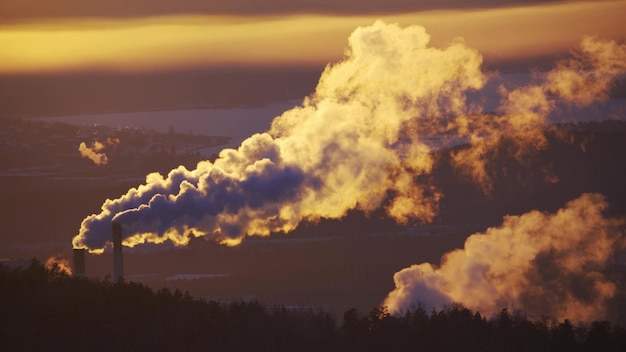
(543, 264)
(95, 152)
(358, 142)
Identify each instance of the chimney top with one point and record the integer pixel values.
(117, 228)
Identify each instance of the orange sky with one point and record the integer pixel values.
(153, 43)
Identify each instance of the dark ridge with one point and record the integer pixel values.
(579, 158)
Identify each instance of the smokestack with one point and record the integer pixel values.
(79, 262)
(118, 264)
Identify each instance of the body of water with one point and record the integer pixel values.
(236, 123)
(240, 123)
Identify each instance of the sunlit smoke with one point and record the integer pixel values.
(342, 149)
(588, 76)
(60, 263)
(359, 142)
(544, 264)
(95, 152)
(523, 112)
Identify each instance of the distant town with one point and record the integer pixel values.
(50, 150)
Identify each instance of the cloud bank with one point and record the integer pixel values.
(191, 40)
(27, 9)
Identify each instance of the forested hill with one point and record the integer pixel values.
(576, 159)
(48, 310)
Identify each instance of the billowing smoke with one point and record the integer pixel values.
(59, 263)
(95, 152)
(588, 76)
(523, 112)
(543, 264)
(360, 141)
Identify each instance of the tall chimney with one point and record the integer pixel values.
(79, 262)
(118, 264)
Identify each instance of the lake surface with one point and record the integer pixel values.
(237, 123)
(240, 123)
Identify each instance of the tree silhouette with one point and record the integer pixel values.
(43, 309)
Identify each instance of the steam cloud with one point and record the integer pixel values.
(95, 152)
(540, 263)
(358, 142)
(61, 263)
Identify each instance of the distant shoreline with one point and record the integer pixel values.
(241, 121)
(156, 110)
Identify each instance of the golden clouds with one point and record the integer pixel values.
(519, 32)
(159, 43)
(187, 41)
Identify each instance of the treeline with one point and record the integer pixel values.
(43, 309)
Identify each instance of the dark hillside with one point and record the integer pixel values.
(48, 310)
(578, 159)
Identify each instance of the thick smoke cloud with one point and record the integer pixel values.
(543, 264)
(359, 142)
(342, 149)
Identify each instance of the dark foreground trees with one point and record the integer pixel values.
(46, 309)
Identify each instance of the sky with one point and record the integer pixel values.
(28, 9)
(155, 36)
